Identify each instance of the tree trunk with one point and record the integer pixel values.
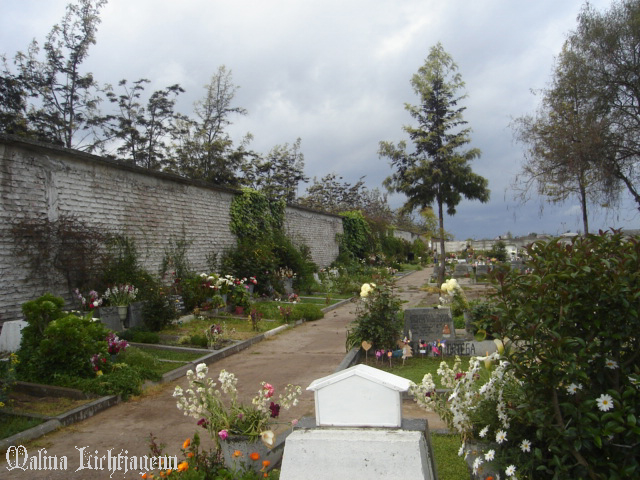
(583, 204)
(442, 252)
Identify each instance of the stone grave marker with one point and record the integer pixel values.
(482, 270)
(462, 270)
(428, 324)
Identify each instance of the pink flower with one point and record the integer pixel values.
(269, 388)
(223, 434)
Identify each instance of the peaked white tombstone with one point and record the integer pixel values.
(360, 396)
(358, 432)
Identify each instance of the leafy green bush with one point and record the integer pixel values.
(38, 314)
(158, 311)
(483, 316)
(55, 343)
(357, 241)
(143, 361)
(67, 345)
(139, 335)
(307, 312)
(199, 340)
(575, 326)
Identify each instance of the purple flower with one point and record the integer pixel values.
(223, 434)
(275, 410)
(203, 423)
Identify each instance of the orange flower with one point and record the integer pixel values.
(186, 443)
(183, 467)
(169, 471)
(237, 453)
(144, 475)
(265, 475)
(254, 456)
(266, 463)
(190, 454)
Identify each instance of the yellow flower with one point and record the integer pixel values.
(183, 467)
(99, 373)
(186, 443)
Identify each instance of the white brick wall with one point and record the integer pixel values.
(316, 230)
(44, 181)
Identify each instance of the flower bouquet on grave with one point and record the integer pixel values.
(218, 410)
(87, 304)
(120, 295)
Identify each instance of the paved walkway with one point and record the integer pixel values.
(298, 356)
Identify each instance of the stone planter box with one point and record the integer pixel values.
(241, 443)
(110, 317)
(135, 315)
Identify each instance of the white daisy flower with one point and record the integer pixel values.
(501, 436)
(605, 402)
(573, 388)
(483, 432)
(525, 446)
(510, 471)
(490, 455)
(612, 364)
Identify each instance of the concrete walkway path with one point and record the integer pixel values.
(298, 355)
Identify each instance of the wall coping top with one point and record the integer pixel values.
(389, 380)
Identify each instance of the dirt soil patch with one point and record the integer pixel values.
(48, 406)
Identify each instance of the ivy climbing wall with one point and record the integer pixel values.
(44, 182)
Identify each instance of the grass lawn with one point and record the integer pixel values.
(12, 424)
(445, 451)
(171, 354)
(235, 328)
(417, 367)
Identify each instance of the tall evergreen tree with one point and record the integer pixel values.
(437, 170)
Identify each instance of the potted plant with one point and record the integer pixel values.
(234, 427)
(240, 298)
(121, 296)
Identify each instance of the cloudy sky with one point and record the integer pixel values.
(336, 74)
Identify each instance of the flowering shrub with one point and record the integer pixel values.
(563, 403)
(377, 320)
(480, 407)
(221, 416)
(120, 295)
(575, 323)
(255, 318)
(455, 297)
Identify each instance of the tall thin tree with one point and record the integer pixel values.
(437, 170)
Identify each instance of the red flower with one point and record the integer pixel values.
(275, 410)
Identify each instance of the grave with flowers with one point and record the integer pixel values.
(358, 431)
(428, 325)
